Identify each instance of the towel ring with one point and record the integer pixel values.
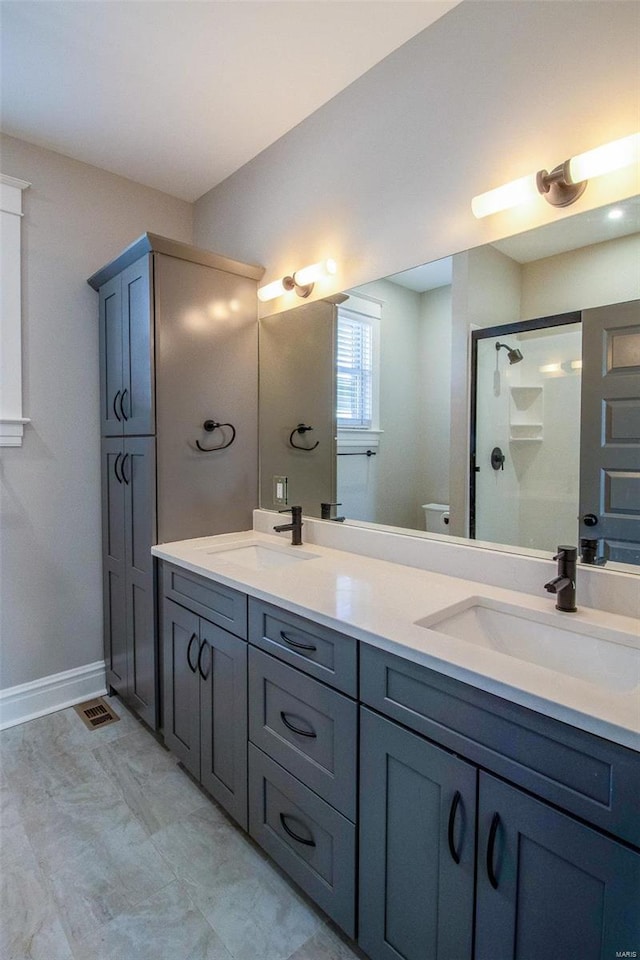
(301, 428)
(210, 426)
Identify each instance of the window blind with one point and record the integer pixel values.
(354, 370)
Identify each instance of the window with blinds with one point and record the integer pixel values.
(354, 370)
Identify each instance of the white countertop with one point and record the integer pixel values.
(379, 602)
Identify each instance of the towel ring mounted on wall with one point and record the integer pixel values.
(210, 426)
(301, 428)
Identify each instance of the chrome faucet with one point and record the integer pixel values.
(295, 526)
(564, 585)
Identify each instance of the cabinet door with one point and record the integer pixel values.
(137, 348)
(138, 472)
(222, 664)
(110, 319)
(114, 564)
(181, 642)
(417, 846)
(549, 886)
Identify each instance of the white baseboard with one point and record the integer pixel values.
(49, 694)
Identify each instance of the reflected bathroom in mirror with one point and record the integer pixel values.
(415, 418)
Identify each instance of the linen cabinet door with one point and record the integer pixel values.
(137, 404)
(138, 471)
(110, 322)
(548, 885)
(114, 565)
(417, 846)
(181, 694)
(222, 664)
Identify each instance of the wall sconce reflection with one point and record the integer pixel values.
(565, 183)
(302, 281)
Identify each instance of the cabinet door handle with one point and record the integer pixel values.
(294, 729)
(199, 665)
(124, 393)
(115, 469)
(294, 836)
(495, 823)
(194, 636)
(115, 407)
(457, 797)
(124, 476)
(299, 646)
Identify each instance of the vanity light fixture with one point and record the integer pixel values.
(301, 281)
(565, 183)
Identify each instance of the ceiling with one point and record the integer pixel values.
(179, 94)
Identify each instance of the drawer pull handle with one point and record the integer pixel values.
(495, 823)
(115, 407)
(204, 675)
(294, 643)
(194, 636)
(115, 469)
(294, 836)
(124, 393)
(457, 797)
(294, 729)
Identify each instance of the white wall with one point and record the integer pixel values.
(592, 276)
(76, 219)
(435, 392)
(382, 176)
(387, 488)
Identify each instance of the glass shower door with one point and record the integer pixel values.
(527, 435)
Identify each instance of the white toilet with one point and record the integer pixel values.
(436, 517)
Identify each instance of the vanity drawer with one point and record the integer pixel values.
(221, 605)
(319, 651)
(310, 840)
(593, 778)
(324, 753)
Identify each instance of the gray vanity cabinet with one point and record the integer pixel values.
(548, 885)
(417, 846)
(205, 704)
(128, 518)
(178, 348)
(303, 754)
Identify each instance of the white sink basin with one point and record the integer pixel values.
(257, 556)
(612, 662)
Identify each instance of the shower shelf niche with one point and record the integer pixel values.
(526, 414)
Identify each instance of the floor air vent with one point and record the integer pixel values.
(96, 713)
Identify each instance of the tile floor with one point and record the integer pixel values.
(109, 851)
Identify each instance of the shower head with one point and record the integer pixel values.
(513, 354)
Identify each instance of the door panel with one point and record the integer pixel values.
(610, 436)
(223, 719)
(416, 902)
(114, 565)
(138, 471)
(138, 352)
(110, 320)
(181, 694)
(561, 888)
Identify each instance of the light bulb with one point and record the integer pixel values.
(503, 198)
(271, 291)
(314, 272)
(605, 159)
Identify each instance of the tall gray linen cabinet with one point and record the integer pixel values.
(178, 347)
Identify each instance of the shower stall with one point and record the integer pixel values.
(525, 432)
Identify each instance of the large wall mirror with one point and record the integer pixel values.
(492, 396)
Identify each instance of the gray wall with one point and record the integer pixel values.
(382, 176)
(76, 218)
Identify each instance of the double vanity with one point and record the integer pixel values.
(448, 768)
